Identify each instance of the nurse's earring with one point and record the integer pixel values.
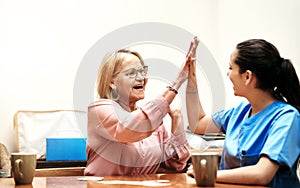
(114, 93)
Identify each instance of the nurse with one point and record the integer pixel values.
(262, 141)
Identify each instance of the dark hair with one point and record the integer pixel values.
(273, 72)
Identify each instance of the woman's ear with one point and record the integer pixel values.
(112, 86)
(248, 76)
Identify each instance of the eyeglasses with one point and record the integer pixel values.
(132, 73)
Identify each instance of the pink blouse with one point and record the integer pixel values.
(128, 143)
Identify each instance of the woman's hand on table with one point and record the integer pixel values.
(190, 171)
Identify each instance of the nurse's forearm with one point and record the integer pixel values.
(242, 175)
(260, 174)
(194, 108)
(199, 123)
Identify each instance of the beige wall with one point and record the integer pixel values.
(42, 43)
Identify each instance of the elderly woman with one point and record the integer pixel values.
(262, 141)
(126, 139)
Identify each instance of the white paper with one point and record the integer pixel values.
(149, 183)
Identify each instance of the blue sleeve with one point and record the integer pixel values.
(283, 143)
(224, 118)
(219, 119)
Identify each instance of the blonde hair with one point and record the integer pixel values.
(109, 66)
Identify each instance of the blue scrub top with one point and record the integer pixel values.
(273, 132)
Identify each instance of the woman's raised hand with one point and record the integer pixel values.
(184, 73)
(190, 59)
(193, 48)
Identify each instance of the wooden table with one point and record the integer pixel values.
(160, 180)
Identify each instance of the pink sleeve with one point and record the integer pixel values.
(177, 152)
(114, 123)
